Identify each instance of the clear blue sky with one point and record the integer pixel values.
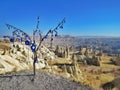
(83, 17)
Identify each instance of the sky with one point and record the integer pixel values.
(83, 17)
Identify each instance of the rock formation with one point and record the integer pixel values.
(62, 52)
(20, 57)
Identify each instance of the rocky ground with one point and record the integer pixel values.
(42, 81)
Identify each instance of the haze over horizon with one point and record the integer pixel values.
(83, 17)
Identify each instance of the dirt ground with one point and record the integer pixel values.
(42, 81)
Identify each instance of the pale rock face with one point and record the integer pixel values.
(40, 64)
(23, 59)
(7, 67)
(79, 57)
(46, 53)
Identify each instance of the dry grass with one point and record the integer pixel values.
(95, 78)
(59, 61)
(4, 46)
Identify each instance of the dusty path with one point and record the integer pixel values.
(42, 81)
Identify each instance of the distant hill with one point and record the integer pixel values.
(90, 36)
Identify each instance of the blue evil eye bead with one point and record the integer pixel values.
(27, 42)
(35, 60)
(4, 36)
(56, 28)
(61, 27)
(33, 47)
(56, 35)
(51, 39)
(50, 31)
(46, 37)
(11, 39)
